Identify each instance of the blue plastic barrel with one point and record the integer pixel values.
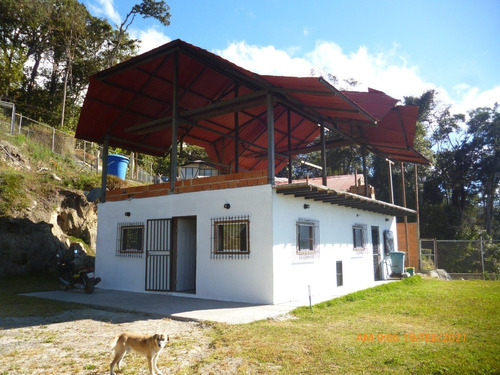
(397, 262)
(117, 165)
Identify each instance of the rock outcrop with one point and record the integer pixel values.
(51, 225)
(32, 246)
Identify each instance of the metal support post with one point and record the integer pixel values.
(270, 140)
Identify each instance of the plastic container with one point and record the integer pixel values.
(397, 262)
(410, 270)
(117, 165)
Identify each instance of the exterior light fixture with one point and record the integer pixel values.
(227, 206)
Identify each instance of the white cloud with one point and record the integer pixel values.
(472, 97)
(376, 71)
(389, 71)
(265, 60)
(107, 9)
(386, 72)
(150, 38)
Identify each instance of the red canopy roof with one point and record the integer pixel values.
(222, 107)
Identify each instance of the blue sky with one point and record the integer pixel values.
(400, 47)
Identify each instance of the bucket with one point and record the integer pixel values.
(397, 262)
(410, 270)
(117, 165)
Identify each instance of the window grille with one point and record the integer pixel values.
(359, 236)
(340, 274)
(130, 240)
(230, 237)
(308, 244)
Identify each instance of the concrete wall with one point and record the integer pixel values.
(248, 280)
(293, 275)
(273, 273)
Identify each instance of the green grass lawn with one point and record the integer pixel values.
(420, 326)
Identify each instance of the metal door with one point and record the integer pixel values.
(158, 254)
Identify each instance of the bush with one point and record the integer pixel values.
(13, 197)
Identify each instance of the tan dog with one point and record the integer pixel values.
(150, 346)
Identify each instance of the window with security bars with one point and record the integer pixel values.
(231, 237)
(359, 236)
(307, 246)
(130, 239)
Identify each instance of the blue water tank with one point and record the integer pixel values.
(117, 165)
(397, 262)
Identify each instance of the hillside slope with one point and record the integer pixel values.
(43, 208)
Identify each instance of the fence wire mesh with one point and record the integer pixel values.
(86, 154)
(455, 256)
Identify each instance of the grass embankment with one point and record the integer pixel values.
(417, 326)
(414, 326)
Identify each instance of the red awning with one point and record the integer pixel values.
(222, 107)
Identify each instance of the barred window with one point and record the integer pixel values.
(359, 236)
(307, 247)
(231, 237)
(130, 239)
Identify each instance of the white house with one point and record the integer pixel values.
(260, 244)
(240, 235)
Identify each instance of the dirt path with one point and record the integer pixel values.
(78, 342)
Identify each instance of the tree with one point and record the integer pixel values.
(158, 10)
(70, 21)
(484, 128)
(59, 45)
(14, 19)
(38, 38)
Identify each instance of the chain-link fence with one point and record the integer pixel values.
(87, 154)
(461, 257)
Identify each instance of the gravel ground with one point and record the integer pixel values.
(78, 342)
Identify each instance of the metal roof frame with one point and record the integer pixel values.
(223, 107)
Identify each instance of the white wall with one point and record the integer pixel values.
(272, 274)
(248, 280)
(292, 276)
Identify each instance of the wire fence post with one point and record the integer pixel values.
(482, 255)
(435, 254)
(53, 138)
(12, 119)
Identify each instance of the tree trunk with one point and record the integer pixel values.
(489, 190)
(34, 73)
(64, 94)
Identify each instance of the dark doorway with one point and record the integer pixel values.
(184, 255)
(376, 253)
